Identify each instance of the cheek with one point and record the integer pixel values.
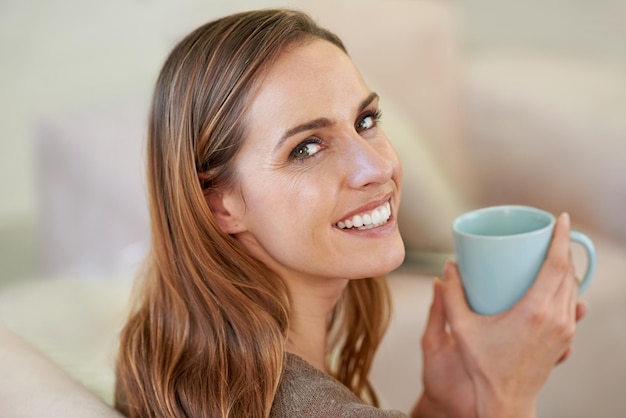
(394, 158)
(398, 172)
(288, 206)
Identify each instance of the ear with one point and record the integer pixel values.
(228, 209)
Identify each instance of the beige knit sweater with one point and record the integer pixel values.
(307, 392)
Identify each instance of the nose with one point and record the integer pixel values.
(371, 162)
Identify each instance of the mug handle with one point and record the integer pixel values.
(584, 240)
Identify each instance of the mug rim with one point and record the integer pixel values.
(455, 225)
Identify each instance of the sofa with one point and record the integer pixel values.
(509, 127)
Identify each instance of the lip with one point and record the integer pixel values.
(368, 207)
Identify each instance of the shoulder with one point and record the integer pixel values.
(305, 391)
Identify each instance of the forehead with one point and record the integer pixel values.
(315, 79)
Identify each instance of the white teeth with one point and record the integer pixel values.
(377, 217)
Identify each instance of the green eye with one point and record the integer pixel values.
(306, 149)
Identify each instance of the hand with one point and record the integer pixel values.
(495, 365)
(448, 387)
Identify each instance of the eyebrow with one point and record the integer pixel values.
(322, 122)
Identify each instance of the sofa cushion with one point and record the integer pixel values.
(32, 386)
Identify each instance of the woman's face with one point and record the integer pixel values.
(319, 182)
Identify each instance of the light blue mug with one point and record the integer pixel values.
(500, 250)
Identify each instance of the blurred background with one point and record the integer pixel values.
(59, 57)
(512, 102)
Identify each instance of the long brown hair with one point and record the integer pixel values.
(207, 333)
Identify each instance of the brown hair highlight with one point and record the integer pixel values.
(207, 333)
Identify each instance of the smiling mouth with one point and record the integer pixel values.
(368, 220)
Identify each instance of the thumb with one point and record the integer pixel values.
(453, 293)
(436, 325)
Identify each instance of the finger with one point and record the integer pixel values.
(569, 293)
(560, 247)
(436, 325)
(557, 264)
(575, 285)
(455, 304)
(565, 356)
(581, 310)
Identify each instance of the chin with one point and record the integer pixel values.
(394, 261)
(394, 255)
(382, 264)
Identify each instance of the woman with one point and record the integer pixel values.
(274, 196)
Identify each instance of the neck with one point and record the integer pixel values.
(311, 305)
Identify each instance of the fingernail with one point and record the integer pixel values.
(565, 217)
(447, 265)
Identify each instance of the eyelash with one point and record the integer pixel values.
(293, 156)
(375, 115)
